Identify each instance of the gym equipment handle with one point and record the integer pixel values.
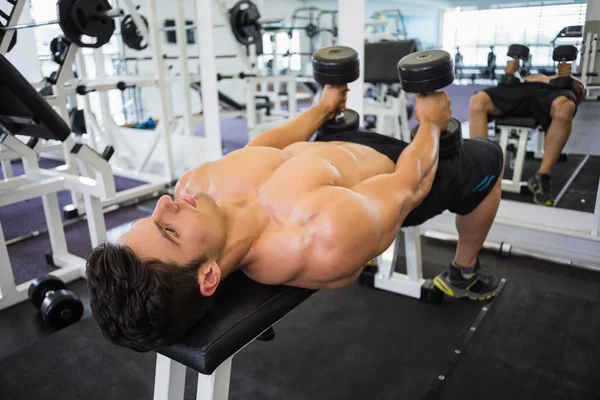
(96, 16)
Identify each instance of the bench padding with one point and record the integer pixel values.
(525, 122)
(242, 310)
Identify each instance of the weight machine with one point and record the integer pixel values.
(24, 112)
(391, 102)
(588, 66)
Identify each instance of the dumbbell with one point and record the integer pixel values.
(337, 66)
(564, 55)
(59, 307)
(425, 72)
(517, 53)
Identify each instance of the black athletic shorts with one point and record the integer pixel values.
(461, 182)
(528, 99)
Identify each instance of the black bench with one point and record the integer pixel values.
(242, 310)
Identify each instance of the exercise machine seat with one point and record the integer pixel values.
(24, 111)
(524, 122)
(242, 309)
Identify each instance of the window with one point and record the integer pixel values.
(283, 44)
(475, 31)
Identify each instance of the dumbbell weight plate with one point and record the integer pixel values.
(518, 51)
(61, 308)
(562, 82)
(130, 35)
(451, 140)
(426, 71)
(564, 52)
(335, 65)
(508, 80)
(42, 285)
(347, 122)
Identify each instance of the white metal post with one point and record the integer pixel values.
(169, 379)
(351, 20)
(104, 102)
(208, 73)
(7, 279)
(251, 117)
(184, 67)
(8, 35)
(215, 386)
(405, 131)
(58, 242)
(241, 54)
(137, 18)
(87, 105)
(596, 219)
(292, 91)
(7, 170)
(165, 104)
(412, 251)
(521, 153)
(539, 151)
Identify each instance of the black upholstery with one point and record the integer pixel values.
(23, 111)
(381, 60)
(241, 311)
(525, 122)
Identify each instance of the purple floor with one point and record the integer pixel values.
(27, 258)
(21, 218)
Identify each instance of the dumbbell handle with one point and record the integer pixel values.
(338, 114)
(564, 68)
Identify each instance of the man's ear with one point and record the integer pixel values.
(209, 277)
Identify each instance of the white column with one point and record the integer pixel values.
(169, 379)
(208, 75)
(351, 22)
(592, 25)
(215, 386)
(184, 68)
(596, 219)
(165, 103)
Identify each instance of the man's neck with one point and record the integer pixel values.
(244, 227)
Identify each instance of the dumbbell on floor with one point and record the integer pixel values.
(59, 307)
(564, 55)
(425, 72)
(517, 53)
(337, 66)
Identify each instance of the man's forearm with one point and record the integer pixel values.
(298, 129)
(418, 163)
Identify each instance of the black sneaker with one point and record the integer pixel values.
(471, 283)
(539, 185)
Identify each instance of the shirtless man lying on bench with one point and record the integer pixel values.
(288, 211)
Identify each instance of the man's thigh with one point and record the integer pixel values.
(462, 182)
(540, 106)
(508, 100)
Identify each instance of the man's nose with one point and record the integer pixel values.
(165, 206)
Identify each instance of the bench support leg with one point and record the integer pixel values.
(215, 386)
(169, 381)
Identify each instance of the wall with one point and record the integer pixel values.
(422, 23)
(24, 56)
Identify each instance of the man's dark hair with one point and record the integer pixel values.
(142, 304)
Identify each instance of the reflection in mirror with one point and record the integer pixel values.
(544, 124)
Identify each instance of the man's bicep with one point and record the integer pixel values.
(369, 216)
(393, 195)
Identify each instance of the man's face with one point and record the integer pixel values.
(176, 232)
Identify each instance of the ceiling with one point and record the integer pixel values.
(511, 3)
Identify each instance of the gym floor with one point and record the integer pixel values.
(538, 337)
